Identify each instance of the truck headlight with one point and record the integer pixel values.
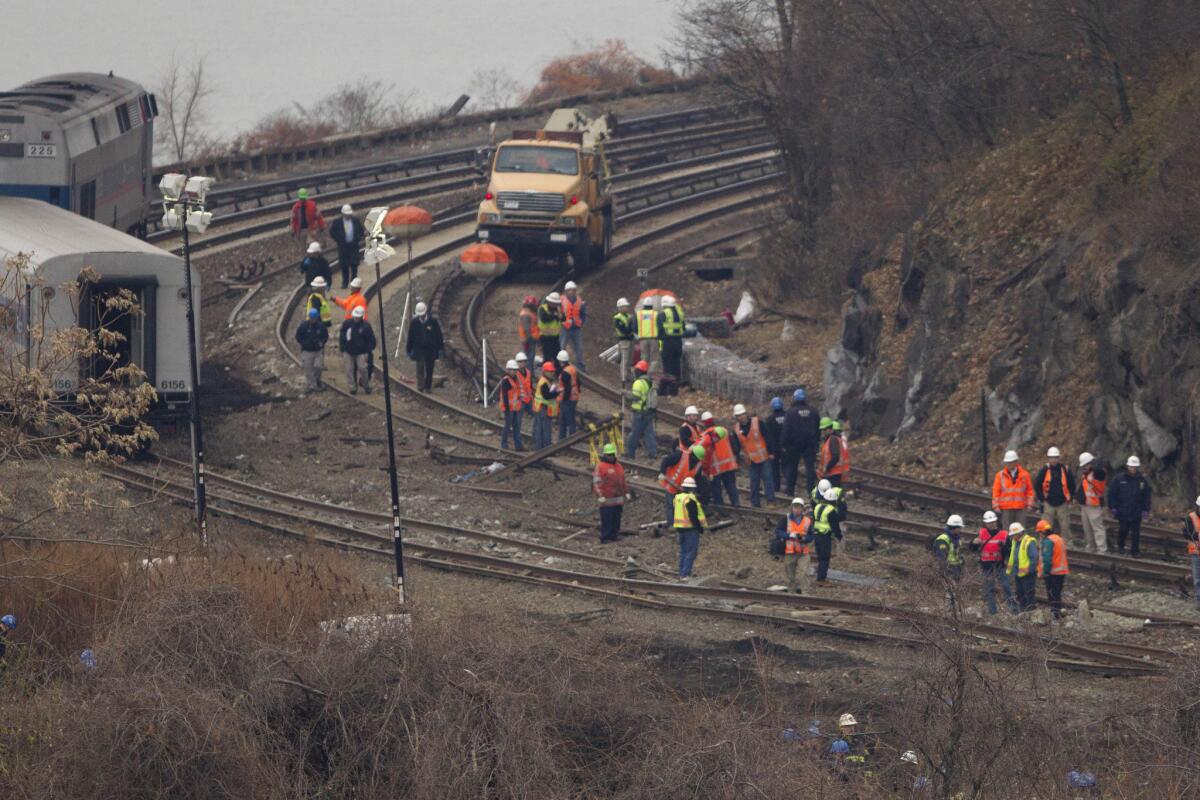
(491, 217)
(568, 222)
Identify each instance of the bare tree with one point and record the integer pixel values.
(361, 105)
(494, 88)
(183, 96)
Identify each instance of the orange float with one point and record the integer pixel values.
(484, 260)
(407, 223)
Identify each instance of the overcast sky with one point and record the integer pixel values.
(265, 55)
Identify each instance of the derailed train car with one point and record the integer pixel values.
(81, 141)
(60, 245)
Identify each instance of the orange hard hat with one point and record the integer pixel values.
(548, 366)
(643, 365)
(1044, 526)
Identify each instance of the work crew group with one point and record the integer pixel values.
(357, 341)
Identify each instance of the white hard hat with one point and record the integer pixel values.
(553, 297)
(346, 209)
(954, 521)
(1053, 453)
(830, 494)
(512, 364)
(421, 309)
(668, 301)
(739, 410)
(989, 516)
(909, 757)
(1010, 457)
(314, 247)
(521, 356)
(1016, 528)
(359, 312)
(798, 501)
(318, 283)
(689, 483)
(1198, 501)
(846, 720)
(823, 486)
(538, 360)
(1133, 461)
(356, 283)
(706, 416)
(622, 303)
(570, 285)
(1085, 459)
(691, 411)
(563, 355)
(647, 302)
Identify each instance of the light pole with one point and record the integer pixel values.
(183, 210)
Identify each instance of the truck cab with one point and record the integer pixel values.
(547, 193)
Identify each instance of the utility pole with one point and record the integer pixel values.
(194, 400)
(183, 211)
(397, 531)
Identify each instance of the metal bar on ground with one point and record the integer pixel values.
(562, 444)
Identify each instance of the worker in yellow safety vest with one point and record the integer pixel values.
(1023, 565)
(690, 522)
(670, 337)
(545, 406)
(647, 333)
(643, 402)
(319, 300)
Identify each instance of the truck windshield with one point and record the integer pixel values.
(526, 158)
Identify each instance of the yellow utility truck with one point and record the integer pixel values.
(548, 193)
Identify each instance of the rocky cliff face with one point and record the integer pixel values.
(1020, 293)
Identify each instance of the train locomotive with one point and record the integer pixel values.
(83, 142)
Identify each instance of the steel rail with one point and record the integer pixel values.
(1087, 658)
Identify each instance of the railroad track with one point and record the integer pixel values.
(237, 209)
(903, 490)
(313, 521)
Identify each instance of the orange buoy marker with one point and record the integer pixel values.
(407, 223)
(484, 260)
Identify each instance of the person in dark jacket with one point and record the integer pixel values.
(773, 434)
(348, 234)
(1129, 501)
(356, 340)
(314, 265)
(424, 345)
(801, 438)
(312, 336)
(1055, 488)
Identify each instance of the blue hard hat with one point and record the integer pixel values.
(776, 404)
(88, 659)
(790, 735)
(313, 313)
(8, 621)
(799, 396)
(1081, 780)
(840, 747)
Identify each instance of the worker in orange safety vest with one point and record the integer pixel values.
(835, 462)
(795, 529)
(1012, 491)
(1191, 532)
(574, 314)
(756, 453)
(512, 405)
(1053, 565)
(608, 482)
(682, 463)
(528, 331)
(354, 300)
(723, 470)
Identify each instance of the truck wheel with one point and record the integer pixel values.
(601, 251)
(581, 258)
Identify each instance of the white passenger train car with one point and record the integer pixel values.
(60, 244)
